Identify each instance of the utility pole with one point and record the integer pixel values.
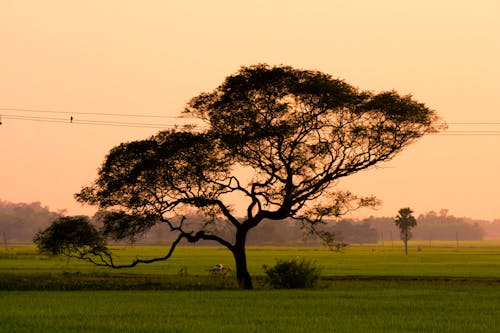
(5, 240)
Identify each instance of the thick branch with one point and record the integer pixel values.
(105, 258)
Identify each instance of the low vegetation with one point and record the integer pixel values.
(292, 274)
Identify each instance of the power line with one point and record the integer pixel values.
(88, 113)
(73, 120)
(77, 121)
(474, 123)
(469, 134)
(464, 129)
(171, 117)
(199, 128)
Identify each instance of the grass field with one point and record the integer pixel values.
(364, 289)
(359, 306)
(444, 259)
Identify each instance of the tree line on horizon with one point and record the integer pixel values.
(19, 222)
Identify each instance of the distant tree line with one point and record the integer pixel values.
(285, 232)
(431, 226)
(491, 228)
(20, 221)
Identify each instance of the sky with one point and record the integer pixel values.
(87, 59)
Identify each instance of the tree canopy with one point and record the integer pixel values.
(295, 132)
(71, 236)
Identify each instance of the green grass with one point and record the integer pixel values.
(348, 306)
(364, 289)
(472, 259)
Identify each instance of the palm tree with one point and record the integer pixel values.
(405, 221)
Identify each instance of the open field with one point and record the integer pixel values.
(364, 289)
(351, 306)
(444, 259)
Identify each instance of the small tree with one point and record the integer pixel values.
(295, 132)
(71, 236)
(405, 222)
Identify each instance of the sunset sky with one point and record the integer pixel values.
(88, 59)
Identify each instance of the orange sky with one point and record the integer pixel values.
(151, 57)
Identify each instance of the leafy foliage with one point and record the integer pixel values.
(294, 273)
(405, 221)
(119, 226)
(70, 236)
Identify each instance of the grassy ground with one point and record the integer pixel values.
(443, 288)
(472, 259)
(351, 306)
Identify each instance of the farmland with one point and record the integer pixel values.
(443, 259)
(443, 288)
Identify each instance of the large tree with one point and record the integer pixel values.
(275, 144)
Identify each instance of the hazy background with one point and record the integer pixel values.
(151, 57)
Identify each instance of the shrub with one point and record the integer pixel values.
(293, 273)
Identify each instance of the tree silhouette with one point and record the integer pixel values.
(72, 236)
(291, 133)
(405, 221)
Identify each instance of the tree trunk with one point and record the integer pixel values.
(240, 257)
(242, 275)
(406, 243)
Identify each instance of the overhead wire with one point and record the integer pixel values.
(483, 128)
(89, 122)
(71, 118)
(88, 113)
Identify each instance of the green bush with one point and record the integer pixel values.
(293, 273)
